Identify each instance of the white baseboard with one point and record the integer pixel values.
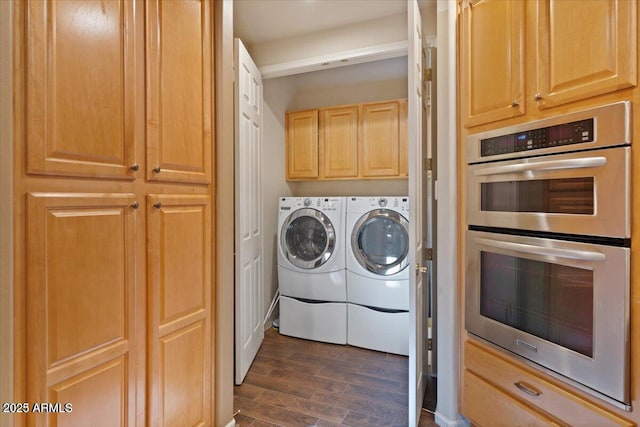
(443, 421)
(231, 423)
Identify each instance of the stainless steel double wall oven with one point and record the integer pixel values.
(547, 245)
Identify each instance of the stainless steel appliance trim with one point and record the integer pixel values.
(329, 247)
(607, 371)
(543, 250)
(612, 126)
(612, 190)
(360, 254)
(588, 162)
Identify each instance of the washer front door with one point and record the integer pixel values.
(380, 242)
(308, 238)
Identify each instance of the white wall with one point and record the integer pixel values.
(278, 96)
(341, 39)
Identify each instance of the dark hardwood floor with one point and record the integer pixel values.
(295, 382)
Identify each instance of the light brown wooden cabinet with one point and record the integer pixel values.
(302, 144)
(359, 141)
(517, 57)
(65, 73)
(179, 91)
(380, 140)
(493, 380)
(492, 60)
(116, 300)
(179, 283)
(338, 146)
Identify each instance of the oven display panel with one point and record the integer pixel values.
(577, 132)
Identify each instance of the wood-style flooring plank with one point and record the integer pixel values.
(296, 382)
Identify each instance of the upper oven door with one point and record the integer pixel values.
(583, 193)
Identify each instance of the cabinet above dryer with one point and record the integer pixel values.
(359, 141)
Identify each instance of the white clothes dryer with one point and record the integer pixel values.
(377, 273)
(311, 268)
(377, 257)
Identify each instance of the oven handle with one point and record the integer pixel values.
(543, 250)
(587, 162)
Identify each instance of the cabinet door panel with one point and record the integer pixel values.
(492, 61)
(380, 139)
(179, 90)
(339, 142)
(80, 88)
(80, 315)
(302, 144)
(596, 55)
(179, 290)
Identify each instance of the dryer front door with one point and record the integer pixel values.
(308, 238)
(380, 242)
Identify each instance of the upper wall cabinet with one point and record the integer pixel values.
(380, 140)
(578, 49)
(584, 48)
(492, 61)
(179, 90)
(302, 144)
(339, 142)
(66, 73)
(348, 142)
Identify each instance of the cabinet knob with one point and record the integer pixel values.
(537, 97)
(157, 205)
(135, 205)
(156, 169)
(515, 103)
(135, 167)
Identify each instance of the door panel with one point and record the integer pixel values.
(302, 144)
(179, 301)
(80, 259)
(339, 142)
(249, 326)
(380, 139)
(417, 153)
(109, 381)
(492, 58)
(179, 90)
(80, 53)
(595, 57)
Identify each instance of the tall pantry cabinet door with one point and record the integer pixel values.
(179, 303)
(584, 48)
(339, 142)
(301, 143)
(80, 311)
(380, 139)
(492, 60)
(81, 54)
(179, 90)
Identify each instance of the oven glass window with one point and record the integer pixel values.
(551, 301)
(574, 196)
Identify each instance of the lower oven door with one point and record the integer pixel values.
(563, 305)
(576, 193)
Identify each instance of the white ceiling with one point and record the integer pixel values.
(259, 21)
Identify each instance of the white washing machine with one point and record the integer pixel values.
(377, 273)
(311, 268)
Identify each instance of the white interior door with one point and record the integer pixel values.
(416, 215)
(249, 331)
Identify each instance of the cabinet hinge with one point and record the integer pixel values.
(429, 344)
(428, 164)
(428, 254)
(427, 74)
